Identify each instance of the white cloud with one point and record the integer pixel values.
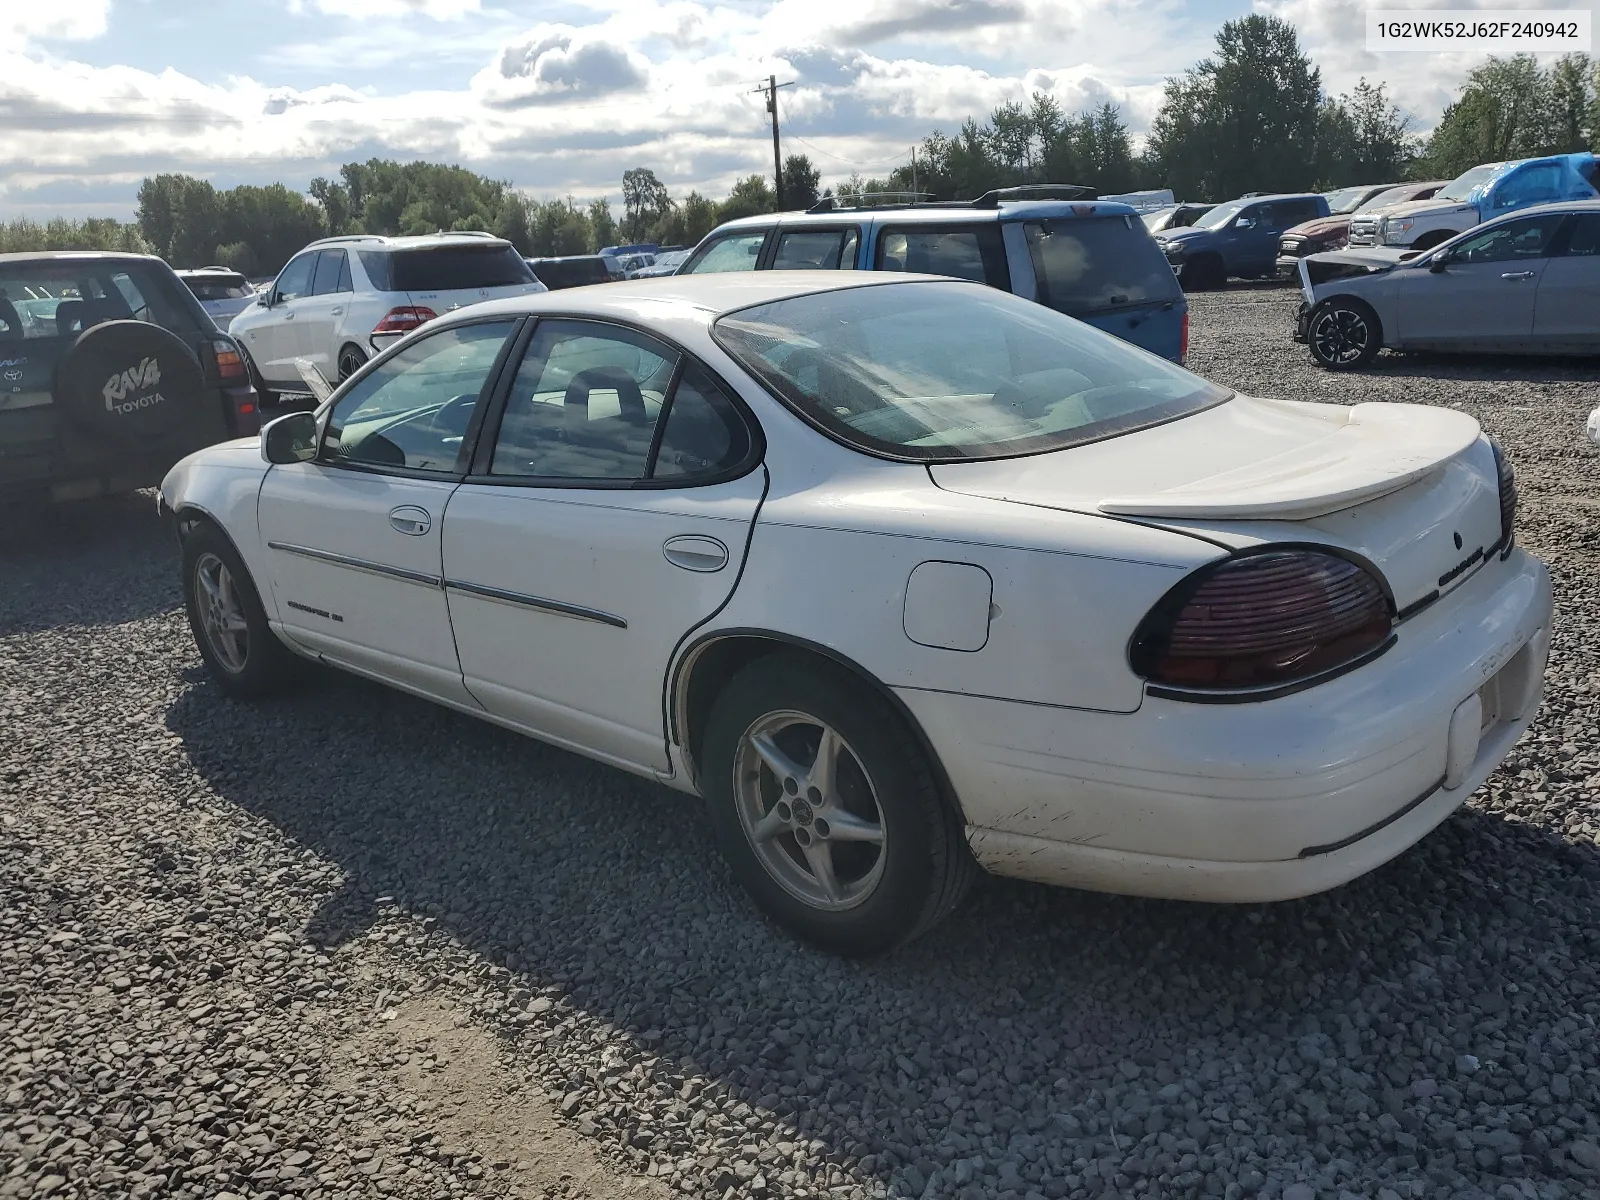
(25, 20)
(387, 10)
(555, 63)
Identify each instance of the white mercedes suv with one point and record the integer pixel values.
(342, 299)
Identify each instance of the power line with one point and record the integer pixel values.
(882, 162)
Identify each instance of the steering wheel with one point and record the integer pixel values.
(442, 421)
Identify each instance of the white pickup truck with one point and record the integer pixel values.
(1490, 190)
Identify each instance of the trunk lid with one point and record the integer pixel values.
(448, 300)
(1412, 489)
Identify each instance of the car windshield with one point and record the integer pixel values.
(1394, 195)
(1459, 187)
(952, 371)
(1220, 215)
(1153, 220)
(1345, 200)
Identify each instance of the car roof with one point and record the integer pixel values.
(77, 256)
(706, 295)
(382, 241)
(924, 214)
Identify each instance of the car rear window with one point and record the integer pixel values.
(949, 372)
(557, 273)
(63, 297)
(1092, 264)
(446, 268)
(218, 287)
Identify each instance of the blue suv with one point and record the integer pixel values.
(1056, 244)
(1237, 239)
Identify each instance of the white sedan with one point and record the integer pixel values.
(904, 577)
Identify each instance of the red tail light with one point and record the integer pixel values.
(1263, 620)
(404, 319)
(230, 363)
(1183, 340)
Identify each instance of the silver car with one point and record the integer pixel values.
(1526, 283)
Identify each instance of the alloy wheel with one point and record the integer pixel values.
(221, 612)
(809, 810)
(351, 360)
(1340, 336)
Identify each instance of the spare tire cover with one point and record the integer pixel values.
(130, 382)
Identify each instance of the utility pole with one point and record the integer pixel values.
(772, 107)
(915, 190)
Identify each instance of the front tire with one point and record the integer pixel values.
(1343, 333)
(227, 619)
(826, 809)
(265, 396)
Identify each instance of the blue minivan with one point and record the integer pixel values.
(1091, 259)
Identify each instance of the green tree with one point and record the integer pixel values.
(602, 225)
(750, 196)
(24, 235)
(335, 201)
(699, 217)
(1364, 138)
(800, 181)
(1504, 111)
(1246, 119)
(644, 202)
(181, 217)
(1570, 103)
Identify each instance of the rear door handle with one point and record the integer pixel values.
(409, 519)
(1517, 275)
(695, 553)
(288, 314)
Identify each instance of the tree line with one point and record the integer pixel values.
(1253, 116)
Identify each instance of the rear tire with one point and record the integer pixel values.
(896, 857)
(351, 359)
(1343, 333)
(227, 619)
(1205, 274)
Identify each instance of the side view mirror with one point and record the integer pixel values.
(290, 439)
(264, 299)
(1438, 263)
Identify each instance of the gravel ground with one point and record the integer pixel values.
(347, 944)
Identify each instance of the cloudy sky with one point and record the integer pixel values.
(560, 97)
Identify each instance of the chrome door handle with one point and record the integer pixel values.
(695, 553)
(1517, 275)
(288, 314)
(410, 519)
(335, 311)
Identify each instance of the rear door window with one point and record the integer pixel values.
(458, 268)
(1584, 241)
(817, 250)
(734, 252)
(975, 252)
(330, 265)
(1091, 264)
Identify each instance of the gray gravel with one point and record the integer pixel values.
(202, 901)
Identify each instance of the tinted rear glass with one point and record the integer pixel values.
(572, 272)
(218, 287)
(1092, 264)
(456, 268)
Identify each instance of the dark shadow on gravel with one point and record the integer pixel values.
(1067, 1006)
(96, 562)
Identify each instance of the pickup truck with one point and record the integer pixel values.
(1239, 238)
(1486, 191)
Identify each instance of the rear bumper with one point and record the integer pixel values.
(1261, 801)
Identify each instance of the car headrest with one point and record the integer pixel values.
(11, 320)
(603, 379)
(72, 316)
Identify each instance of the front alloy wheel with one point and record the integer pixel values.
(809, 810)
(1343, 334)
(222, 618)
(351, 360)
